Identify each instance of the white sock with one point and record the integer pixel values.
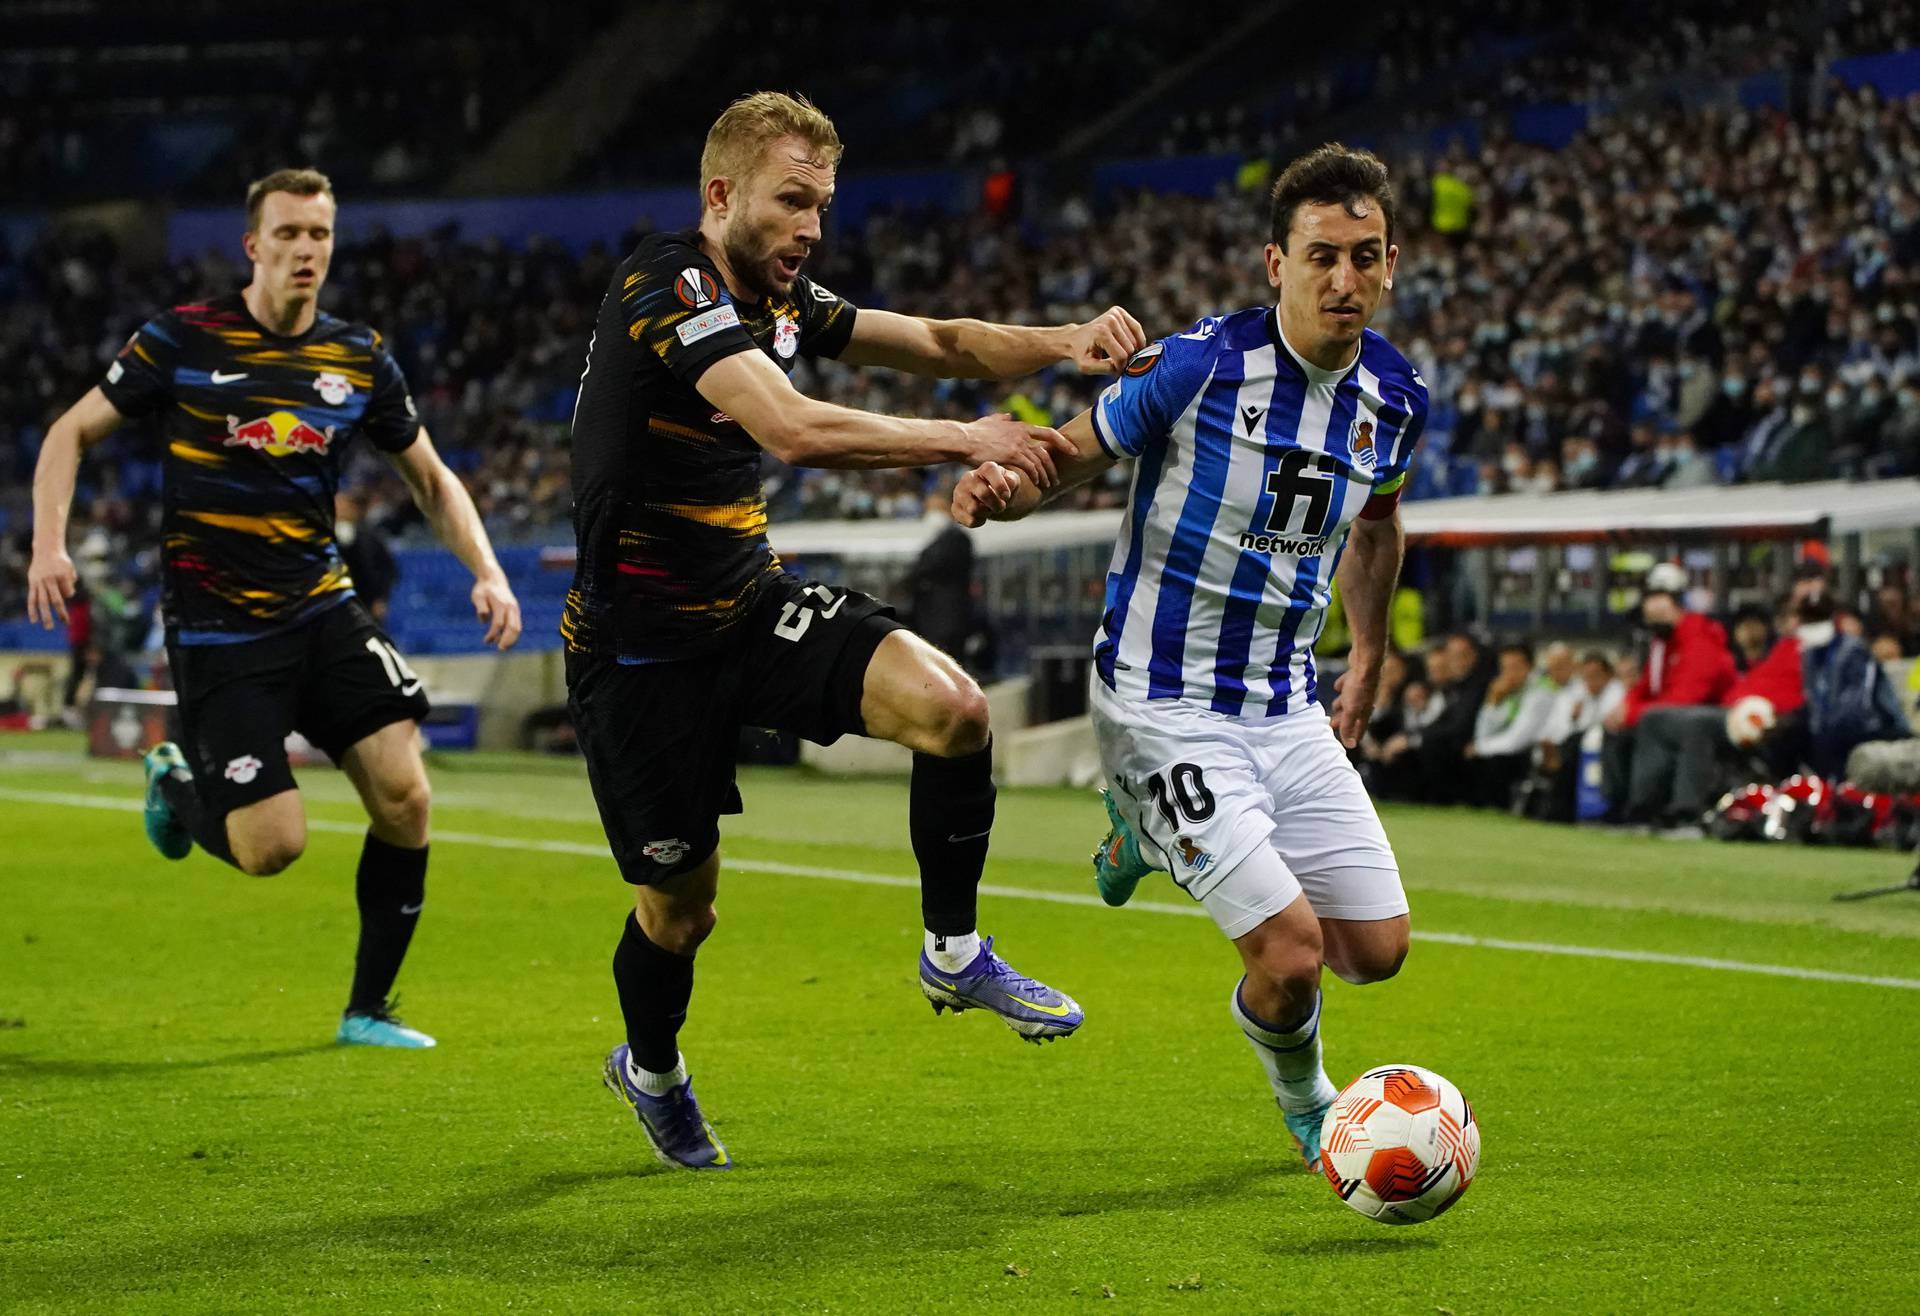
(949, 953)
(1291, 1059)
(657, 1085)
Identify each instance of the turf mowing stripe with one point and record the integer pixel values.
(122, 805)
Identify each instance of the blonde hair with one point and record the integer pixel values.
(300, 182)
(746, 128)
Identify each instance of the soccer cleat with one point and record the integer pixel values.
(380, 1028)
(1117, 865)
(1032, 1009)
(1305, 1128)
(168, 834)
(680, 1134)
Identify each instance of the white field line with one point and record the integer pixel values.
(583, 849)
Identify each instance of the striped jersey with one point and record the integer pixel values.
(1251, 465)
(255, 426)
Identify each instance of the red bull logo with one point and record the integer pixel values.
(277, 432)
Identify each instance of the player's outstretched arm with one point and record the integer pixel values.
(803, 431)
(449, 509)
(1368, 573)
(992, 492)
(50, 576)
(974, 349)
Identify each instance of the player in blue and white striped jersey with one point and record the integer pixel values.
(1269, 448)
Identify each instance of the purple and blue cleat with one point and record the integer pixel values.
(1032, 1009)
(680, 1134)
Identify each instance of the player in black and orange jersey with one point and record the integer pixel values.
(255, 397)
(682, 626)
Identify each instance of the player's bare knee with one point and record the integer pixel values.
(683, 930)
(960, 721)
(403, 810)
(268, 855)
(1288, 958)
(1372, 962)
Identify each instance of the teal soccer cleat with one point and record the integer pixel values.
(1117, 865)
(168, 834)
(381, 1028)
(1305, 1128)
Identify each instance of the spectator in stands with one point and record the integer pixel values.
(1688, 663)
(1892, 615)
(1899, 451)
(1849, 698)
(1426, 761)
(1512, 716)
(1582, 707)
(1681, 751)
(1802, 448)
(1752, 636)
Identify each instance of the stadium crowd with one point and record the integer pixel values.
(1689, 725)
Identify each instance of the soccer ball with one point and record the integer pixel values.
(1400, 1145)
(1749, 719)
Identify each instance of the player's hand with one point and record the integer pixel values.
(1354, 691)
(50, 583)
(1102, 345)
(494, 604)
(1029, 449)
(984, 491)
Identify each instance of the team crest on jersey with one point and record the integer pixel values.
(786, 337)
(665, 852)
(1144, 360)
(695, 288)
(1192, 855)
(1360, 444)
(333, 388)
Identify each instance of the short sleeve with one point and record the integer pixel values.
(1141, 405)
(391, 421)
(140, 379)
(1390, 480)
(675, 306)
(826, 319)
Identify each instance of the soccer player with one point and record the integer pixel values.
(256, 396)
(1270, 447)
(682, 626)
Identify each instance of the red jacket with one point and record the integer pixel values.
(1775, 678)
(1691, 666)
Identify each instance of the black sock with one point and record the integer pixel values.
(949, 815)
(391, 886)
(655, 986)
(208, 829)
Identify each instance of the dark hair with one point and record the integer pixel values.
(1331, 175)
(1520, 647)
(1596, 656)
(1816, 605)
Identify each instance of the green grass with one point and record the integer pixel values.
(177, 1135)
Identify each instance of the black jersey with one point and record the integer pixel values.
(668, 508)
(255, 425)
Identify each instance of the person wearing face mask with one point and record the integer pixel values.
(1800, 450)
(1688, 663)
(1900, 435)
(1728, 416)
(1849, 698)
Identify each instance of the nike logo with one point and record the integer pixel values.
(955, 840)
(1057, 1011)
(219, 378)
(411, 688)
(413, 909)
(828, 614)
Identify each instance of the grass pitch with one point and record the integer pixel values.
(177, 1133)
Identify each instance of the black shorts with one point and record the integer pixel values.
(336, 680)
(660, 738)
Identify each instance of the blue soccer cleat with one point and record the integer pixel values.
(1305, 1128)
(1032, 1009)
(381, 1028)
(168, 834)
(680, 1134)
(1117, 865)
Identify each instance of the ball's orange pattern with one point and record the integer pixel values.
(1405, 1089)
(1397, 1175)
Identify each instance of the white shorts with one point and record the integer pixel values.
(1204, 791)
